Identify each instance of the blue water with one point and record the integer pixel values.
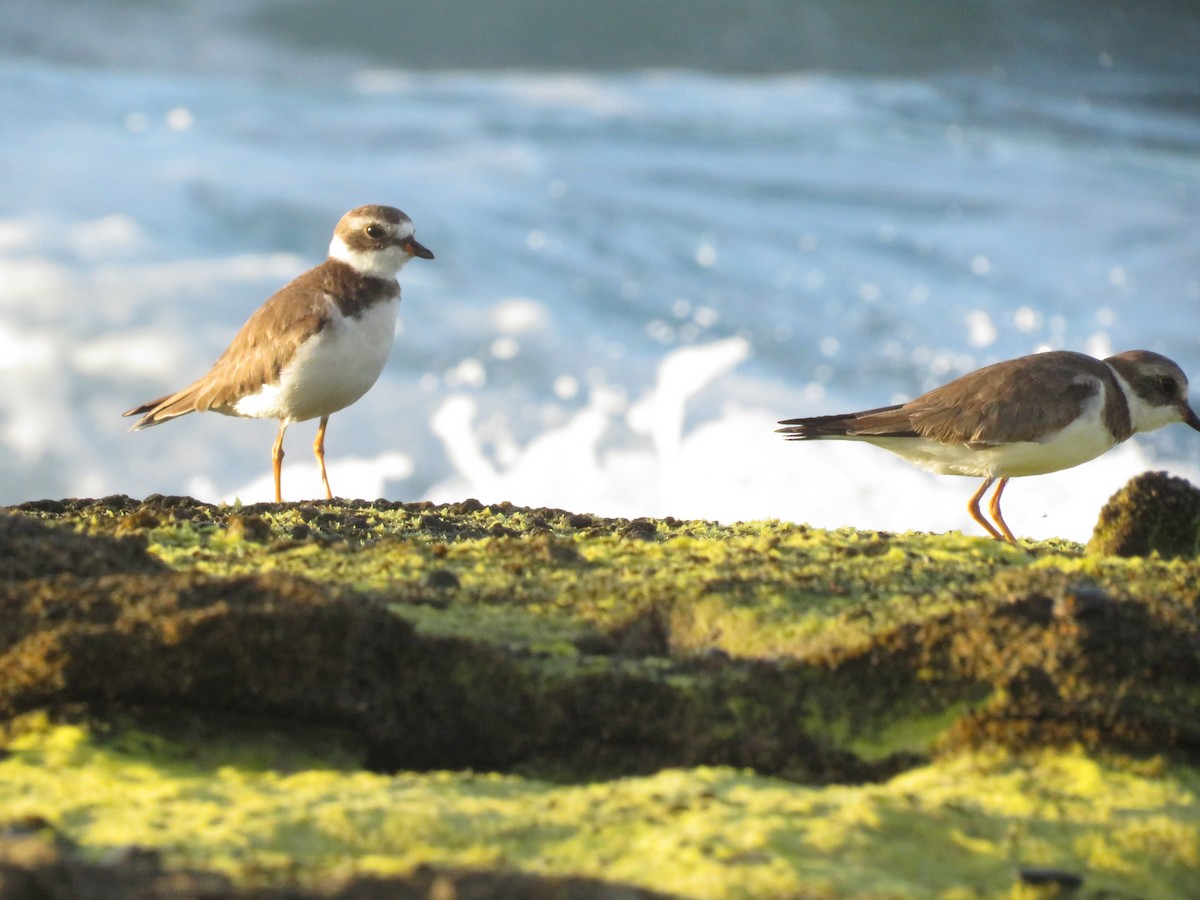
(657, 232)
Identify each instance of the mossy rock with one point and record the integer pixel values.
(1155, 513)
(30, 549)
(249, 810)
(281, 648)
(469, 636)
(562, 680)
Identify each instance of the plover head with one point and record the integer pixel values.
(376, 241)
(1156, 388)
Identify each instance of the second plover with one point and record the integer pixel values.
(1026, 416)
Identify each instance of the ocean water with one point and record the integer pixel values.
(657, 232)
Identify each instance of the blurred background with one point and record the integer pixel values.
(659, 226)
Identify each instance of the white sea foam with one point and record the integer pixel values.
(570, 92)
(149, 353)
(517, 315)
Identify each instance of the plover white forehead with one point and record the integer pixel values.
(1025, 416)
(316, 345)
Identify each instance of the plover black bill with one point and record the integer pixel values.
(316, 345)
(1026, 416)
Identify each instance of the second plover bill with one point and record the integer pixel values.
(1026, 416)
(316, 345)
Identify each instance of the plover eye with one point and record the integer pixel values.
(1167, 385)
(374, 231)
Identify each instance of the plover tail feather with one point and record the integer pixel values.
(847, 425)
(165, 408)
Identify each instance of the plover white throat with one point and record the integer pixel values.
(316, 345)
(1026, 416)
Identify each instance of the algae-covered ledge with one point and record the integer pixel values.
(567, 650)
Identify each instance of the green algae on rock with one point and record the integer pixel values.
(964, 827)
(38, 861)
(497, 637)
(1154, 513)
(612, 694)
(277, 646)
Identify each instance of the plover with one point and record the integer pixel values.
(1025, 416)
(316, 345)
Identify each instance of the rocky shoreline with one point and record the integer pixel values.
(558, 650)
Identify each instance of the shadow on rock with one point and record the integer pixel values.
(1033, 656)
(35, 862)
(1069, 662)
